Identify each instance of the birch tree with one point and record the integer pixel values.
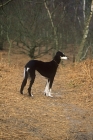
(85, 34)
(84, 9)
(52, 23)
(4, 3)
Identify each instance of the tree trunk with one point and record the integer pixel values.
(52, 23)
(1, 38)
(10, 46)
(86, 31)
(84, 10)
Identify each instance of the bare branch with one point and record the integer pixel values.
(3, 4)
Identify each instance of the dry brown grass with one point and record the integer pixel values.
(66, 116)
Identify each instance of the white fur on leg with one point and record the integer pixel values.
(50, 93)
(47, 91)
(32, 95)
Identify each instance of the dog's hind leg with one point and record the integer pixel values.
(24, 81)
(32, 75)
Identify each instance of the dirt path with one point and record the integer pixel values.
(66, 116)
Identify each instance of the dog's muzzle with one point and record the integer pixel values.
(64, 57)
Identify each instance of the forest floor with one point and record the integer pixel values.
(66, 116)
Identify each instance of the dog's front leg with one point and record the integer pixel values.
(49, 94)
(50, 86)
(47, 90)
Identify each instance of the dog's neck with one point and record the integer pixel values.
(56, 61)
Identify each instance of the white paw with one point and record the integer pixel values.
(50, 95)
(32, 95)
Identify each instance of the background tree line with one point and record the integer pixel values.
(54, 24)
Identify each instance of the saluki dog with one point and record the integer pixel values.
(46, 69)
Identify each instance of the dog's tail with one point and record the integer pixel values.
(26, 72)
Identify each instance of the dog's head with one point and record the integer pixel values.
(61, 55)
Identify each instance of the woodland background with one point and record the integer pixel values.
(48, 24)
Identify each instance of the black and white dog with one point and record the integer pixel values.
(46, 69)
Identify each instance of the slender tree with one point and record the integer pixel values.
(85, 35)
(52, 23)
(84, 2)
